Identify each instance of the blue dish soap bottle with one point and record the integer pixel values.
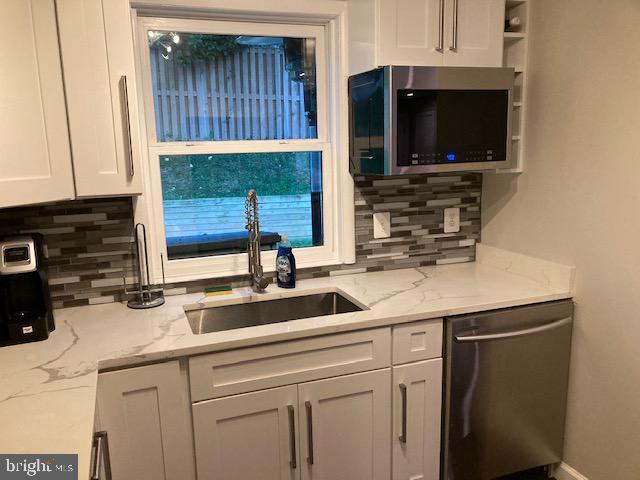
(285, 264)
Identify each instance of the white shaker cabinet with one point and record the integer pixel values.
(425, 33)
(146, 414)
(331, 429)
(417, 407)
(252, 435)
(35, 161)
(345, 427)
(476, 34)
(96, 40)
(410, 32)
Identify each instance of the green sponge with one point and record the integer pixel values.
(217, 290)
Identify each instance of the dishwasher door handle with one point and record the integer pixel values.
(516, 333)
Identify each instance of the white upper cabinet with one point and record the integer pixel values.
(98, 60)
(93, 138)
(35, 161)
(475, 36)
(409, 32)
(425, 33)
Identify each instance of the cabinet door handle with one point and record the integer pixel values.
(440, 47)
(100, 456)
(307, 407)
(454, 43)
(127, 118)
(292, 435)
(403, 396)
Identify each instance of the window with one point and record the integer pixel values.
(231, 106)
(203, 199)
(232, 87)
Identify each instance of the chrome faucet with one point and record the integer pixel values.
(260, 282)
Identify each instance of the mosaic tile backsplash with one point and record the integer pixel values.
(90, 241)
(89, 244)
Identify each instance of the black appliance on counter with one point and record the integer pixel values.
(25, 303)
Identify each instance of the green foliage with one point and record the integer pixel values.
(231, 175)
(195, 46)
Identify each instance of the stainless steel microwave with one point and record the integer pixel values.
(406, 120)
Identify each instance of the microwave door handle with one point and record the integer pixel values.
(513, 334)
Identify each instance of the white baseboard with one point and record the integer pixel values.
(565, 472)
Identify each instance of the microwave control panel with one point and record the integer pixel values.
(467, 156)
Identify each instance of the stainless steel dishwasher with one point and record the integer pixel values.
(506, 390)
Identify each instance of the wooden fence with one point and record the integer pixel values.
(247, 95)
(288, 214)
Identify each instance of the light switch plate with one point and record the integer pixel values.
(451, 220)
(382, 225)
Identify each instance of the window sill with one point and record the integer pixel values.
(187, 270)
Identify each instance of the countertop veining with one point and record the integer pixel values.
(48, 389)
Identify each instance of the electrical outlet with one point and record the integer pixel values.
(451, 220)
(382, 225)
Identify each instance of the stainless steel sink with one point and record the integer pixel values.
(241, 315)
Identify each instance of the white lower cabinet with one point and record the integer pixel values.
(145, 411)
(333, 429)
(253, 435)
(310, 418)
(345, 426)
(330, 429)
(417, 407)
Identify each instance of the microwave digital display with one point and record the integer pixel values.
(451, 126)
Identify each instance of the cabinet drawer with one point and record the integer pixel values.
(417, 341)
(255, 368)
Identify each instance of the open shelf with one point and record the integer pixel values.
(515, 53)
(513, 36)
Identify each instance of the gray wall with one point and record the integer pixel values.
(578, 203)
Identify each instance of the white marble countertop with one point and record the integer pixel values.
(47, 389)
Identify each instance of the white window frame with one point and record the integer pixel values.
(338, 217)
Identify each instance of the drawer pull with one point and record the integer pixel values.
(100, 456)
(307, 406)
(127, 118)
(454, 44)
(440, 47)
(403, 431)
(292, 435)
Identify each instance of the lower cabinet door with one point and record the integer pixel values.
(145, 412)
(345, 427)
(417, 407)
(252, 436)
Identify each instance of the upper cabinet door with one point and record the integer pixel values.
(345, 427)
(96, 39)
(474, 33)
(35, 161)
(410, 32)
